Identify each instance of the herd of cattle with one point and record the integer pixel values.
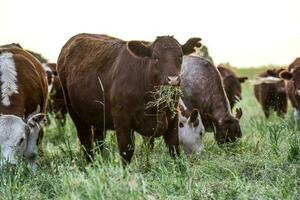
(105, 83)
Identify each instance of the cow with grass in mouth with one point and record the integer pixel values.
(22, 106)
(109, 83)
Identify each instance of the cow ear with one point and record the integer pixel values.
(239, 113)
(271, 72)
(37, 119)
(189, 46)
(194, 115)
(139, 49)
(286, 75)
(242, 79)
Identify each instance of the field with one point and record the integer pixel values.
(264, 164)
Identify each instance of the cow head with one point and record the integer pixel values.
(19, 138)
(233, 88)
(293, 76)
(165, 55)
(191, 130)
(50, 69)
(228, 128)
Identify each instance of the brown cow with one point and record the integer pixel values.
(232, 85)
(293, 86)
(202, 88)
(272, 95)
(22, 107)
(101, 74)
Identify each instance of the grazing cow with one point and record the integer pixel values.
(202, 88)
(232, 85)
(56, 103)
(22, 107)
(191, 130)
(108, 82)
(272, 95)
(293, 86)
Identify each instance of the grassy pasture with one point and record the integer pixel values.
(264, 164)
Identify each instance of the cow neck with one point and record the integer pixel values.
(220, 105)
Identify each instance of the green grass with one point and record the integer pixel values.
(265, 164)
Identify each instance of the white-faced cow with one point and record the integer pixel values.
(22, 107)
(107, 83)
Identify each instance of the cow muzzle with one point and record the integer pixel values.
(173, 80)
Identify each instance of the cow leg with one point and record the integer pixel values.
(99, 137)
(126, 142)
(85, 136)
(266, 112)
(171, 137)
(84, 131)
(282, 108)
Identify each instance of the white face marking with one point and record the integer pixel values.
(48, 69)
(191, 137)
(8, 77)
(13, 138)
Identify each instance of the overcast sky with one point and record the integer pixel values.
(242, 32)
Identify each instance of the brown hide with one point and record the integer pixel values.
(128, 72)
(32, 85)
(292, 77)
(232, 85)
(272, 96)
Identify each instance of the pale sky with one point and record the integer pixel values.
(242, 32)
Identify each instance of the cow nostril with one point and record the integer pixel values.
(31, 156)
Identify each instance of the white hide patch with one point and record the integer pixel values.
(268, 79)
(8, 77)
(46, 67)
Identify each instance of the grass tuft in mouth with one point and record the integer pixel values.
(165, 96)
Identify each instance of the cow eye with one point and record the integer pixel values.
(21, 141)
(181, 125)
(155, 58)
